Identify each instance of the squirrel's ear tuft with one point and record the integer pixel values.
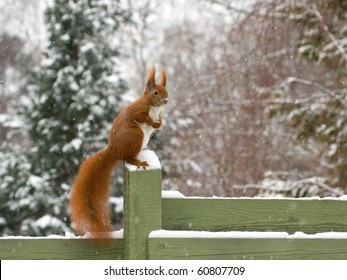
(163, 76)
(150, 84)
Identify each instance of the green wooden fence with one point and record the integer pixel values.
(203, 228)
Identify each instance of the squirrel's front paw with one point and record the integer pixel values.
(144, 165)
(156, 124)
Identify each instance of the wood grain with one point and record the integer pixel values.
(247, 249)
(289, 215)
(59, 249)
(142, 210)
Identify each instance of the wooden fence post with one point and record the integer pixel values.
(142, 210)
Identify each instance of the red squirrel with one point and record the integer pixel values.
(130, 133)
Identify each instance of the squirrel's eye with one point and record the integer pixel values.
(156, 93)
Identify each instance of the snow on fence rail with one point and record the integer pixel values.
(177, 227)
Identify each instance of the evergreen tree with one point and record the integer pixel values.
(320, 111)
(75, 91)
(74, 95)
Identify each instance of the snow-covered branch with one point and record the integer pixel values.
(291, 186)
(265, 102)
(229, 7)
(327, 32)
(316, 85)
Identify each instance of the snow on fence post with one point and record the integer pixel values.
(142, 206)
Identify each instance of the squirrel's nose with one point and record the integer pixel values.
(166, 100)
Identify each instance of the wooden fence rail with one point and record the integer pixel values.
(203, 228)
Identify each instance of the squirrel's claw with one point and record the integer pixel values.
(143, 164)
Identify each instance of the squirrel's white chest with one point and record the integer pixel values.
(154, 113)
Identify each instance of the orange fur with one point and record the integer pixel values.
(163, 77)
(89, 201)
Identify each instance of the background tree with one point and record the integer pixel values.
(73, 97)
(319, 113)
(14, 66)
(225, 88)
(222, 138)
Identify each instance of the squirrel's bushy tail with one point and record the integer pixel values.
(89, 201)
